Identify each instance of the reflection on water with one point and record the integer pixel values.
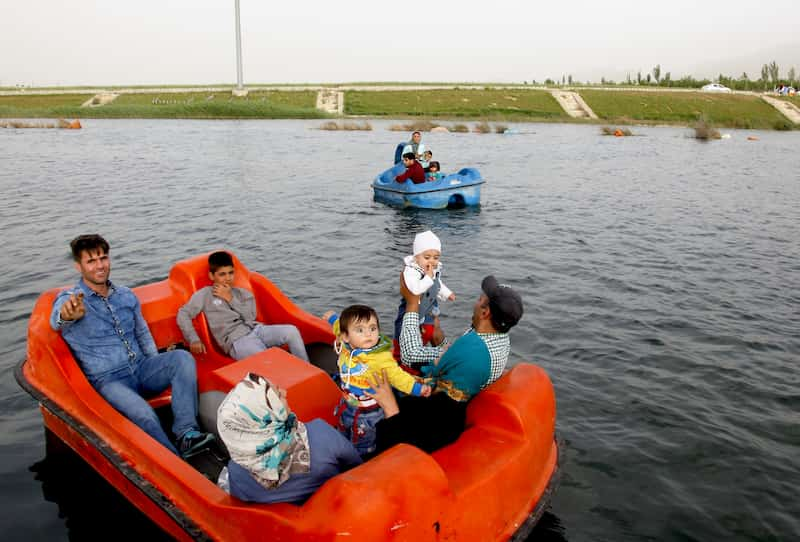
(90, 507)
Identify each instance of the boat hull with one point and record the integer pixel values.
(462, 189)
(491, 484)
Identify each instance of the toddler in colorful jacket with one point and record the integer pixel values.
(364, 353)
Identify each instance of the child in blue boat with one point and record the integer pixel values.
(363, 354)
(433, 173)
(422, 275)
(425, 161)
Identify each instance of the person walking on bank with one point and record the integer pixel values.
(103, 325)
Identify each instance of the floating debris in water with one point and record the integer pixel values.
(616, 132)
(60, 123)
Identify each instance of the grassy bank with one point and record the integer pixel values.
(484, 104)
(731, 110)
(188, 105)
(492, 104)
(792, 99)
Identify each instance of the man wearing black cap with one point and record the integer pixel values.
(472, 362)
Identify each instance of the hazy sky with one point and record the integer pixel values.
(81, 42)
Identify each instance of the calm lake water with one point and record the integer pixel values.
(661, 279)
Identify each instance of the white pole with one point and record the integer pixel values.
(239, 84)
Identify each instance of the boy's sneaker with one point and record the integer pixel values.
(193, 442)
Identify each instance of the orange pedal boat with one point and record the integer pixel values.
(493, 483)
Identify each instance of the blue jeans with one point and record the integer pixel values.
(359, 427)
(423, 319)
(123, 389)
(263, 336)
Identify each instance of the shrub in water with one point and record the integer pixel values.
(704, 130)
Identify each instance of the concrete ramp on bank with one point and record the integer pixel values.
(331, 100)
(572, 103)
(784, 107)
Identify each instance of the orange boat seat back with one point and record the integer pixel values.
(272, 306)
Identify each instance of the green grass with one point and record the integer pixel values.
(731, 110)
(38, 106)
(261, 104)
(497, 104)
(794, 99)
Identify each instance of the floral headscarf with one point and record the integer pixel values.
(261, 433)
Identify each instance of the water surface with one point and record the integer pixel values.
(660, 277)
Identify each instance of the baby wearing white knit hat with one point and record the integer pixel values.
(421, 273)
(423, 266)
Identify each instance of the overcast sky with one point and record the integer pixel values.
(113, 42)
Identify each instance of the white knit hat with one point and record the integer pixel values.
(426, 240)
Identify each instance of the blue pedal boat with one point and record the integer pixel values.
(453, 190)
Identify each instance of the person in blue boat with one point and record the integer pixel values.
(274, 456)
(459, 371)
(415, 146)
(231, 315)
(103, 325)
(422, 273)
(414, 170)
(433, 174)
(425, 161)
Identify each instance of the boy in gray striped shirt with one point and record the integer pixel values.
(231, 315)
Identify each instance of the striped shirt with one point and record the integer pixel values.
(414, 354)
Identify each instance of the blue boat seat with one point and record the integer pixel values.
(398, 152)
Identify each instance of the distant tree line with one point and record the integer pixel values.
(769, 79)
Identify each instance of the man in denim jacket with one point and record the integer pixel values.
(103, 325)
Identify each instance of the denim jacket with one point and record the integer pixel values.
(111, 336)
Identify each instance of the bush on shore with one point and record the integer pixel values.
(346, 126)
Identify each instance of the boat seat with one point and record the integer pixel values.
(207, 406)
(310, 391)
(272, 307)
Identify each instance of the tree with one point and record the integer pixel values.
(791, 76)
(774, 72)
(639, 77)
(569, 79)
(657, 73)
(629, 78)
(667, 79)
(745, 81)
